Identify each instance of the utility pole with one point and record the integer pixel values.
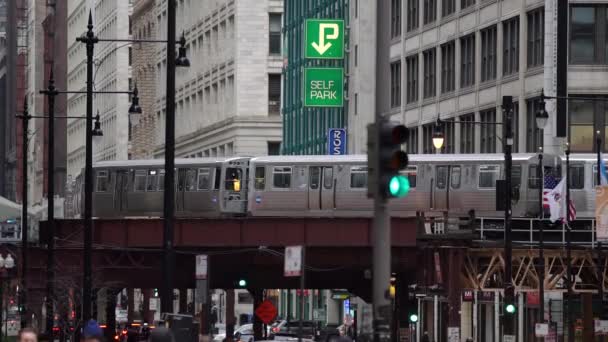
(168, 253)
(541, 251)
(569, 249)
(509, 326)
(51, 93)
(24, 219)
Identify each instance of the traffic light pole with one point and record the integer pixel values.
(507, 106)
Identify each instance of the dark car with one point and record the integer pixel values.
(291, 329)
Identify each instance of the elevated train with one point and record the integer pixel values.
(329, 186)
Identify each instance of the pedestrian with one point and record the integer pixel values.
(27, 335)
(425, 337)
(92, 332)
(161, 335)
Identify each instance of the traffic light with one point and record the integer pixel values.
(392, 288)
(413, 318)
(242, 283)
(509, 304)
(386, 159)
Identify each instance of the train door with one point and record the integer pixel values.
(121, 188)
(321, 188)
(441, 187)
(181, 189)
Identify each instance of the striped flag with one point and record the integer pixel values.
(572, 211)
(549, 184)
(555, 198)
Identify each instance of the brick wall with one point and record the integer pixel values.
(143, 26)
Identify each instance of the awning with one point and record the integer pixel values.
(9, 209)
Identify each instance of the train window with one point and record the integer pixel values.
(203, 179)
(151, 181)
(411, 172)
(488, 174)
(516, 176)
(533, 180)
(328, 177)
(190, 179)
(103, 183)
(233, 179)
(260, 178)
(217, 179)
(455, 177)
(315, 177)
(358, 177)
(140, 181)
(281, 177)
(442, 177)
(577, 176)
(161, 180)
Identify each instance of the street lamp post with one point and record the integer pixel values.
(541, 121)
(24, 218)
(569, 249)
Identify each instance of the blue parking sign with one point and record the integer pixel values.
(336, 141)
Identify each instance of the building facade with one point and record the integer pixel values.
(227, 101)
(112, 72)
(142, 135)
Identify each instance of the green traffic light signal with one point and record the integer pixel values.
(242, 282)
(399, 186)
(413, 318)
(510, 308)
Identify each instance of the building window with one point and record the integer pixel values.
(488, 54)
(467, 61)
(510, 43)
(411, 64)
(467, 133)
(449, 136)
(534, 135)
(274, 94)
(488, 131)
(536, 37)
(447, 7)
(396, 84)
(447, 67)
(274, 37)
(412, 15)
(430, 11)
(130, 56)
(589, 34)
(466, 3)
(274, 148)
(427, 138)
(586, 118)
(429, 73)
(395, 18)
(412, 140)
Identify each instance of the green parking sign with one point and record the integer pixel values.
(324, 38)
(323, 87)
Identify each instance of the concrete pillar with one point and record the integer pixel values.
(110, 313)
(496, 316)
(258, 297)
(130, 304)
(230, 319)
(147, 314)
(520, 316)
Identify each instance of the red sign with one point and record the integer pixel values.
(533, 298)
(266, 312)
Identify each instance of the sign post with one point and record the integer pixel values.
(336, 141)
(324, 38)
(294, 266)
(201, 275)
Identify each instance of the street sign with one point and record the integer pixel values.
(323, 87)
(541, 329)
(324, 38)
(293, 261)
(266, 312)
(601, 326)
(201, 266)
(154, 304)
(453, 334)
(319, 314)
(508, 338)
(336, 141)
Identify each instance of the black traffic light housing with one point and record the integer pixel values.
(510, 307)
(386, 159)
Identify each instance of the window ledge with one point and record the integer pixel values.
(510, 78)
(411, 105)
(485, 3)
(412, 33)
(466, 90)
(446, 19)
(535, 70)
(467, 10)
(488, 84)
(428, 100)
(447, 95)
(588, 67)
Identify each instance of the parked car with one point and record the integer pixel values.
(244, 333)
(286, 329)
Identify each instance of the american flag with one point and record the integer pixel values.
(549, 183)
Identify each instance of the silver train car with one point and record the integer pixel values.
(312, 186)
